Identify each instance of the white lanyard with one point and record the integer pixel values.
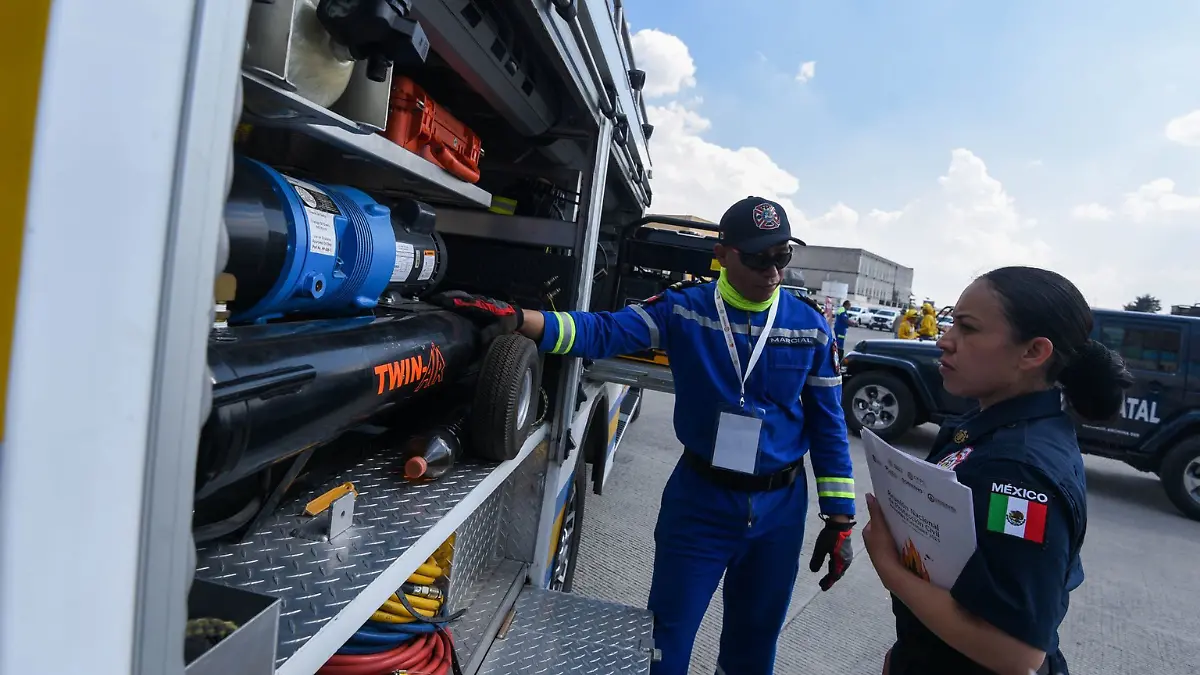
(759, 345)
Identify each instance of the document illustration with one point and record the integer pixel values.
(929, 512)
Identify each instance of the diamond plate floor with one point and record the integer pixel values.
(560, 634)
(316, 580)
(1134, 614)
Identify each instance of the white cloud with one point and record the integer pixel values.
(1092, 211)
(1185, 129)
(1158, 200)
(695, 176)
(808, 70)
(965, 222)
(665, 58)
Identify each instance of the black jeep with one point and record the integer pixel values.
(890, 386)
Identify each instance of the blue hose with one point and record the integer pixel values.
(392, 628)
(367, 649)
(377, 637)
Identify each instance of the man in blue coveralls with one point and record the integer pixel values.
(756, 388)
(841, 326)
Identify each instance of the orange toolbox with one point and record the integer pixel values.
(418, 124)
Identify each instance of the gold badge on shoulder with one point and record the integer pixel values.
(960, 436)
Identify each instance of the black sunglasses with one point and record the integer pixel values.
(760, 262)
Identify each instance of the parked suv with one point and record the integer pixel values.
(892, 385)
(883, 319)
(858, 315)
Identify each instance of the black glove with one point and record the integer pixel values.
(494, 317)
(834, 541)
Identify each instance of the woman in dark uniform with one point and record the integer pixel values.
(1020, 346)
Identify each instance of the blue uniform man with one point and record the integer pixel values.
(757, 389)
(841, 325)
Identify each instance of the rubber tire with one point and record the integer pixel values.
(579, 495)
(905, 418)
(495, 435)
(1171, 474)
(641, 402)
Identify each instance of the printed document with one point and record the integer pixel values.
(929, 512)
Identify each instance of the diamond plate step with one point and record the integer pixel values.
(486, 603)
(561, 633)
(328, 589)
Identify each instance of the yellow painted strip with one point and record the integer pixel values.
(22, 45)
(554, 532)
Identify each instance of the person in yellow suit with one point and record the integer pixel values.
(908, 328)
(929, 326)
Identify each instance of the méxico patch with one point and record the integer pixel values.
(1018, 512)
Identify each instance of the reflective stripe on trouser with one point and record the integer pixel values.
(702, 533)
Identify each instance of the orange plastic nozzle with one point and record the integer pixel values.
(415, 467)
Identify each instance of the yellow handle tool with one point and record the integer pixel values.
(326, 500)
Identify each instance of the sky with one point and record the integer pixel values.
(952, 137)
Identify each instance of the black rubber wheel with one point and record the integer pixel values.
(570, 533)
(641, 395)
(506, 398)
(881, 402)
(1180, 474)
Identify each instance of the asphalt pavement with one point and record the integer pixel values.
(1136, 613)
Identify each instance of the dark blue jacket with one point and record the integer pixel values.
(1021, 460)
(795, 381)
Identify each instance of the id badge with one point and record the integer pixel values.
(736, 447)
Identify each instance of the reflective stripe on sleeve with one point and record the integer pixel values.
(653, 327)
(814, 381)
(811, 334)
(835, 487)
(566, 333)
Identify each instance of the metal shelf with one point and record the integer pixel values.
(514, 229)
(632, 373)
(563, 633)
(328, 589)
(269, 104)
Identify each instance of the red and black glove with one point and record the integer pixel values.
(834, 541)
(495, 317)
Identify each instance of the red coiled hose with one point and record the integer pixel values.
(429, 654)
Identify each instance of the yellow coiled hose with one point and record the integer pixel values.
(427, 574)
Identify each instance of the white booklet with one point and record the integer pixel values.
(929, 512)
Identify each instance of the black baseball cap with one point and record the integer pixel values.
(755, 224)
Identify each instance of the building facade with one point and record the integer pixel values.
(871, 279)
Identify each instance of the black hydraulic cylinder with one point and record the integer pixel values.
(282, 388)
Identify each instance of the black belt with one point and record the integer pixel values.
(745, 482)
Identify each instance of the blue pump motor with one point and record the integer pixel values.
(299, 247)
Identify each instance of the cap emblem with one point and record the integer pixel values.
(766, 217)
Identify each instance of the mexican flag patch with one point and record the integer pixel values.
(1018, 512)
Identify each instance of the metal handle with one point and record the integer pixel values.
(570, 14)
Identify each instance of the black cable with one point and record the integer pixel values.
(222, 528)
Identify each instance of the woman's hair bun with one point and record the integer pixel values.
(1095, 380)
